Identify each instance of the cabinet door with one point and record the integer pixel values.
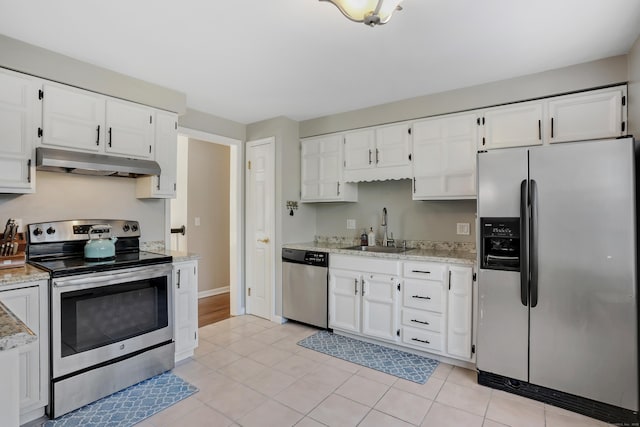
(359, 150)
(166, 143)
(18, 129)
(512, 126)
(587, 116)
(24, 304)
(185, 304)
(129, 129)
(444, 157)
(459, 311)
(310, 169)
(392, 146)
(72, 118)
(321, 171)
(344, 300)
(380, 306)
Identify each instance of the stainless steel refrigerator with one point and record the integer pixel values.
(558, 294)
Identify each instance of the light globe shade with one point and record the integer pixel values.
(371, 12)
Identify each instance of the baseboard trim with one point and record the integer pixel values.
(278, 319)
(213, 292)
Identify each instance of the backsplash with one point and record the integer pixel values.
(419, 244)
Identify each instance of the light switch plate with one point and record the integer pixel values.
(197, 221)
(351, 224)
(462, 228)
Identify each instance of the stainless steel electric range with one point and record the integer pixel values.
(111, 321)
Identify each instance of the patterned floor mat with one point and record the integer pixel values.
(393, 362)
(129, 406)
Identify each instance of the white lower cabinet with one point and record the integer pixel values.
(460, 307)
(363, 296)
(185, 303)
(25, 302)
(425, 306)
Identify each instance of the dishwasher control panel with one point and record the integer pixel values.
(318, 259)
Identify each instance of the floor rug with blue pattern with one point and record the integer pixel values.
(129, 406)
(388, 360)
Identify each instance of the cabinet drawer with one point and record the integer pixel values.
(422, 319)
(427, 340)
(424, 270)
(423, 294)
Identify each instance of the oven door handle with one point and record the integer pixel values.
(109, 278)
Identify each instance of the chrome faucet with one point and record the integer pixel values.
(386, 241)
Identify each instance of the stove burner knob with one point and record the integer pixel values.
(37, 231)
(125, 228)
(51, 230)
(134, 227)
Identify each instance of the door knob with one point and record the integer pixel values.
(265, 240)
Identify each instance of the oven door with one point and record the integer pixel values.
(99, 317)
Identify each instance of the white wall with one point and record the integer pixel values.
(62, 196)
(634, 89)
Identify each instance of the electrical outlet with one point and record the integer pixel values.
(351, 224)
(462, 228)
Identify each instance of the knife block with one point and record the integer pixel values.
(17, 260)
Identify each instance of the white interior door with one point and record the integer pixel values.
(260, 226)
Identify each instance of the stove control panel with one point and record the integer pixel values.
(62, 231)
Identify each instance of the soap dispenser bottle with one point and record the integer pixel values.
(364, 240)
(372, 237)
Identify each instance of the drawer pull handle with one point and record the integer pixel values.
(424, 341)
(420, 321)
(421, 271)
(419, 297)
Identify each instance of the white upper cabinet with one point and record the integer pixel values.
(377, 154)
(359, 150)
(72, 118)
(129, 129)
(513, 125)
(321, 171)
(162, 186)
(595, 114)
(592, 115)
(444, 157)
(85, 121)
(19, 123)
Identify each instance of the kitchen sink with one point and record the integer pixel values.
(378, 249)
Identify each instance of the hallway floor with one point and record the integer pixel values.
(250, 372)
(213, 309)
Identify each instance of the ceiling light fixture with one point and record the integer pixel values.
(371, 12)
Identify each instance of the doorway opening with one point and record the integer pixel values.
(209, 204)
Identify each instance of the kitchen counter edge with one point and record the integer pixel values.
(453, 257)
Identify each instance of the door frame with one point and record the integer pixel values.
(236, 213)
(271, 141)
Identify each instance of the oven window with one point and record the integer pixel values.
(93, 318)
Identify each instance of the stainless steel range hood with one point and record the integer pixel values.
(52, 160)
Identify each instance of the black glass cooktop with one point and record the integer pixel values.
(72, 265)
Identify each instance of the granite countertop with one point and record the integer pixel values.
(159, 248)
(26, 273)
(13, 333)
(417, 254)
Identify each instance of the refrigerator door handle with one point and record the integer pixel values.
(524, 264)
(534, 244)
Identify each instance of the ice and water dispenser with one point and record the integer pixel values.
(500, 244)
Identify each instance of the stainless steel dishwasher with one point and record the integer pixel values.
(304, 286)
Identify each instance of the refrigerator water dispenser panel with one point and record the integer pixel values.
(500, 244)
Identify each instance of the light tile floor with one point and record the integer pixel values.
(250, 372)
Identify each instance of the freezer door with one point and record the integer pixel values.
(583, 336)
(502, 343)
